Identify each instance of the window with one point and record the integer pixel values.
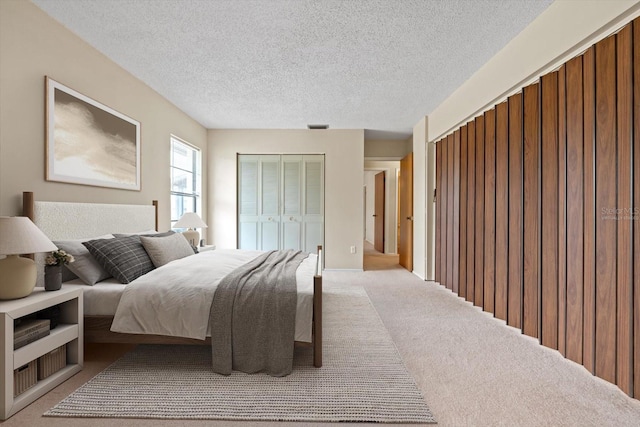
(186, 179)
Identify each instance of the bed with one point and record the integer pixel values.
(101, 301)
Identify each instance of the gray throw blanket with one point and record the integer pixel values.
(253, 315)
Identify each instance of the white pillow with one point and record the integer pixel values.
(163, 250)
(85, 266)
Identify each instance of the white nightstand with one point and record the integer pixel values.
(69, 332)
(206, 248)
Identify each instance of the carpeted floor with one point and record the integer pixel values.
(472, 369)
(362, 379)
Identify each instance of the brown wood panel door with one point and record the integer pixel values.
(471, 210)
(624, 354)
(575, 209)
(636, 204)
(606, 230)
(444, 216)
(479, 274)
(450, 197)
(589, 285)
(489, 210)
(531, 269)
(562, 210)
(502, 210)
(444, 187)
(406, 212)
(456, 212)
(514, 315)
(378, 212)
(462, 277)
(549, 102)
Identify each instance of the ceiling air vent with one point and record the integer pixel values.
(318, 126)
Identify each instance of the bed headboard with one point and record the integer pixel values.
(66, 221)
(63, 220)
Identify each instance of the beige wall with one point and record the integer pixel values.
(421, 234)
(32, 46)
(344, 166)
(560, 33)
(386, 149)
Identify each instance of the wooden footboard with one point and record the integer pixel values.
(316, 338)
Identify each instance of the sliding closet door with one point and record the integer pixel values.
(313, 202)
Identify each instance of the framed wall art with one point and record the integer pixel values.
(89, 143)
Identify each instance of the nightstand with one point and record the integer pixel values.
(206, 248)
(69, 332)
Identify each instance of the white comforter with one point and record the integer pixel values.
(175, 299)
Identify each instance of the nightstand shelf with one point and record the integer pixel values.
(206, 248)
(69, 332)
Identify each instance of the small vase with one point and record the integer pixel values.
(52, 277)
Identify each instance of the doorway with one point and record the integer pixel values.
(381, 214)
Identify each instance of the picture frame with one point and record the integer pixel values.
(89, 143)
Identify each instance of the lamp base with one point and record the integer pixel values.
(192, 236)
(17, 277)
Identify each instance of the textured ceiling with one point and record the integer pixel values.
(379, 65)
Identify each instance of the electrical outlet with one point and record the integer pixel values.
(353, 249)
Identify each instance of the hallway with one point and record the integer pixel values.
(374, 260)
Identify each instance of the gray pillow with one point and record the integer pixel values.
(123, 257)
(163, 250)
(85, 267)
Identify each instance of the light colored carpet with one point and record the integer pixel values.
(363, 380)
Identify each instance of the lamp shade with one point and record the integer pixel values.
(18, 235)
(190, 220)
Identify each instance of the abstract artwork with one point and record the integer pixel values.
(89, 143)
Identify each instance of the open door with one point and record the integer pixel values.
(378, 213)
(405, 246)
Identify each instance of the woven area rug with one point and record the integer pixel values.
(363, 379)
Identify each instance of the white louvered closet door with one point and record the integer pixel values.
(312, 203)
(248, 201)
(280, 202)
(291, 202)
(269, 199)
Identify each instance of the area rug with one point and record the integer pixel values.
(363, 379)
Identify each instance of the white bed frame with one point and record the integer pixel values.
(64, 221)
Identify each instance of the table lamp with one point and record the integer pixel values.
(18, 235)
(191, 221)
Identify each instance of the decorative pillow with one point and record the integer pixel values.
(85, 267)
(163, 250)
(123, 257)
